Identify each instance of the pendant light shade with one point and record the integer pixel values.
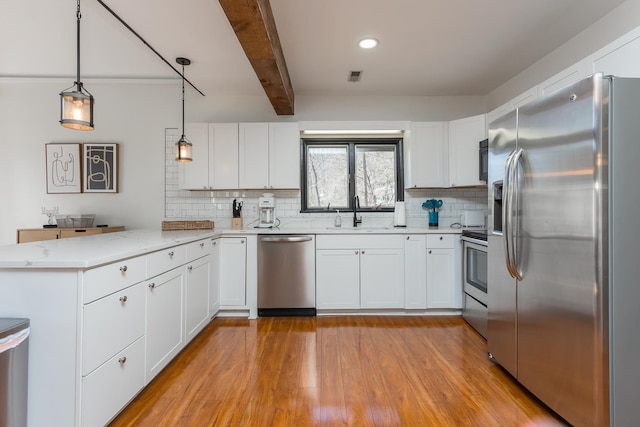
(183, 146)
(76, 106)
(183, 150)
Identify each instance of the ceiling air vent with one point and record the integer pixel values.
(354, 76)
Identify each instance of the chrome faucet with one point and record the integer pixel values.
(356, 205)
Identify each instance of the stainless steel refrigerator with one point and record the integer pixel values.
(564, 264)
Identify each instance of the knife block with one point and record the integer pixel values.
(236, 223)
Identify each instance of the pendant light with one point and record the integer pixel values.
(183, 146)
(76, 106)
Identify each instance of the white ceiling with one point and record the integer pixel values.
(427, 47)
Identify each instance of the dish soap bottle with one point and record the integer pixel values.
(337, 222)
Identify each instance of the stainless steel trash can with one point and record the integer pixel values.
(14, 360)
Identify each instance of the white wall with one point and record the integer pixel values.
(134, 116)
(618, 22)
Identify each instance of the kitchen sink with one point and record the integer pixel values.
(360, 228)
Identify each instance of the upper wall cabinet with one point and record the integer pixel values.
(516, 102)
(564, 78)
(269, 155)
(195, 174)
(426, 155)
(620, 58)
(229, 156)
(464, 137)
(215, 157)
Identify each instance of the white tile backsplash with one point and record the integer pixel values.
(217, 205)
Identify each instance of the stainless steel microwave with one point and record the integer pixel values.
(483, 159)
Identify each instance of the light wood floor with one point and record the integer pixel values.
(335, 371)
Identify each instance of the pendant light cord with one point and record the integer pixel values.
(182, 101)
(78, 16)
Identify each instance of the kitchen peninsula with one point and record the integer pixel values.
(158, 290)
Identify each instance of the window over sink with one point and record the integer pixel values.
(335, 170)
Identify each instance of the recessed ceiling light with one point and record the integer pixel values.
(368, 43)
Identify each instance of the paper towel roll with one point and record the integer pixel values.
(399, 215)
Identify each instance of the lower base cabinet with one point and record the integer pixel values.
(197, 296)
(165, 320)
(108, 389)
(444, 283)
(338, 279)
(232, 273)
(359, 272)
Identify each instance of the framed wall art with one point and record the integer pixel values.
(100, 166)
(64, 166)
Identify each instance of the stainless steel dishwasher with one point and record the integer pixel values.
(286, 275)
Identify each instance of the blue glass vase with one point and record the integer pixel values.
(433, 219)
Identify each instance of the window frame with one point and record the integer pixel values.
(351, 144)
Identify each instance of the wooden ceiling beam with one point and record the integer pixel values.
(253, 23)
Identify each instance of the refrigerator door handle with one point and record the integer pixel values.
(514, 193)
(506, 217)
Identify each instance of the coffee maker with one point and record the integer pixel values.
(267, 206)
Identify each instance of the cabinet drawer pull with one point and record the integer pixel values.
(170, 254)
(123, 268)
(362, 252)
(242, 241)
(356, 252)
(440, 237)
(123, 298)
(152, 285)
(122, 360)
(202, 245)
(429, 252)
(407, 237)
(190, 268)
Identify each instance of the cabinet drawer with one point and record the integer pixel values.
(354, 241)
(198, 249)
(79, 232)
(165, 260)
(110, 324)
(111, 278)
(112, 385)
(437, 241)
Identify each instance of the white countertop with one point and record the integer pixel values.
(91, 251)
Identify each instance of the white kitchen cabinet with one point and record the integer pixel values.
(233, 266)
(100, 339)
(338, 279)
(284, 155)
(108, 389)
(619, 58)
(564, 78)
(415, 272)
(215, 157)
(444, 289)
(426, 155)
(516, 102)
(382, 278)
(194, 175)
(214, 278)
(269, 155)
(359, 271)
(165, 320)
(253, 142)
(223, 155)
(464, 137)
(100, 334)
(197, 295)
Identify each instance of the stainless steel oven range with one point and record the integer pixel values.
(474, 246)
